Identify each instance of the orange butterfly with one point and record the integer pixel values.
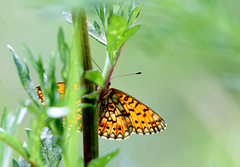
(120, 115)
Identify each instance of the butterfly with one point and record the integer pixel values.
(120, 115)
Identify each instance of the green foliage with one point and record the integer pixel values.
(13, 142)
(80, 162)
(15, 164)
(118, 33)
(23, 73)
(8, 129)
(47, 141)
(104, 159)
(95, 76)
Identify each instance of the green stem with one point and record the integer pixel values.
(107, 73)
(89, 115)
(65, 155)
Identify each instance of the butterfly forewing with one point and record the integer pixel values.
(144, 119)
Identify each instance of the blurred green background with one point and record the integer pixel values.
(188, 52)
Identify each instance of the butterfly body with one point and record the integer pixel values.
(120, 115)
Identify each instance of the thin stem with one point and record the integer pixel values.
(89, 115)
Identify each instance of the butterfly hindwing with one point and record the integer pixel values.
(114, 122)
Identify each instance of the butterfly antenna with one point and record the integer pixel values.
(97, 65)
(127, 74)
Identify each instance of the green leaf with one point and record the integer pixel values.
(15, 163)
(100, 10)
(95, 76)
(49, 150)
(24, 77)
(20, 115)
(129, 32)
(64, 52)
(4, 125)
(4, 121)
(80, 162)
(62, 46)
(37, 64)
(21, 71)
(92, 95)
(115, 30)
(52, 88)
(34, 140)
(104, 159)
(30, 57)
(118, 33)
(13, 142)
(9, 124)
(134, 14)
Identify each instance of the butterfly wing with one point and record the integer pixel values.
(144, 119)
(114, 122)
(76, 116)
(120, 110)
(120, 115)
(40, 95)
(61, 88)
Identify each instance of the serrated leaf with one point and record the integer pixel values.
(91, 30)
(15, 163)
(104, 159)
(13, 142)
(95, 76)
(49, 150)
(134, 14)
(95, 34)
(97, 28)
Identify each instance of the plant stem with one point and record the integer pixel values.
(89, 115)
(107, 73)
